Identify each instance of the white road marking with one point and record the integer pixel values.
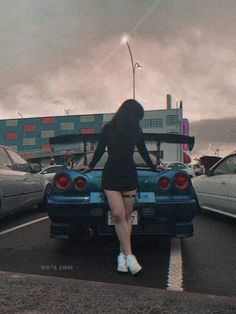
(23, 225)
(175, 272)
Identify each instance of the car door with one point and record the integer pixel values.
(231, 204)
(32, 187)
(213, 189)
(10, 184)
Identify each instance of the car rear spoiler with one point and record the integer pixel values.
(153, 137)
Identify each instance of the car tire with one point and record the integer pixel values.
(42, 207)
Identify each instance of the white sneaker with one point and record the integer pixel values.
(121, 263)
(132, 264)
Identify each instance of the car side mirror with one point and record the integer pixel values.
(35, 167)
(209, 173)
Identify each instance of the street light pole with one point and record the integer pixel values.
(134, 65)
(19, 114)
(67, 111)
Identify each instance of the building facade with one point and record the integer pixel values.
(30, 136)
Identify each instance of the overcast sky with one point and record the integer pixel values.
(67, 54)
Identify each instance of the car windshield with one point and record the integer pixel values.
(100, 165)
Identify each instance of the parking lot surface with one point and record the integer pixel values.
(21, 293)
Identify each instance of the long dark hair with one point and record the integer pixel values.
(127, 118)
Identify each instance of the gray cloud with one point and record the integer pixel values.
(211, 134)
(67, 54)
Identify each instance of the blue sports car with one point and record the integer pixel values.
(165, 202)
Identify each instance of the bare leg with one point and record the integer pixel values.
(122, 227)
(129, 205)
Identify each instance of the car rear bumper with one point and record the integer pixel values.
(166, 218)
(66, 230)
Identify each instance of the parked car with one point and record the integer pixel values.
(198, 169)
(50, 171)
(165, 202)
(216, 189)
(181, 166)
(21, 186)
(208, 161)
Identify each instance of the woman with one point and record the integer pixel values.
(119, 178)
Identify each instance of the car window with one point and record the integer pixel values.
(171, 165)
(20, 163)
(176, 166)
(227, 166)
(181, 166)
(5, 161)
(137, 159)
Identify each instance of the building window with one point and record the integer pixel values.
(48, 120)
(29, 128)
(171, 120)
(29, 141)
(47, 133)
(152, 123)
(11, 122)
(11, 135)
(67, 126)
(89, 118)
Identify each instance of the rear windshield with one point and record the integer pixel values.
(137, 159)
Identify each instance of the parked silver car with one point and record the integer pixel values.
(21, 186)
(216, 189)
(50, 171)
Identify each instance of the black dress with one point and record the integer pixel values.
(119, 173)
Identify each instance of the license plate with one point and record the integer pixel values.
(134, 218)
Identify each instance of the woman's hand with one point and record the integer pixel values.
(159, 167)
(83, 168)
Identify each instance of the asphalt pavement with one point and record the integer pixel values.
(32, 294)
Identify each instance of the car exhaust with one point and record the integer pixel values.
(84, 232)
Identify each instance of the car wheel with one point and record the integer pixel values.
(42, 207)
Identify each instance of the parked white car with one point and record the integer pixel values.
(50, 171)
(216, 190)
(181, 166)
(21, 186)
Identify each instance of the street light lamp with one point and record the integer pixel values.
(134, 65)
(231, 131)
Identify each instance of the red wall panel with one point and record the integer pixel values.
(46, 147)
(11, 135)
(48, 120)
(29, 128)
(87, 131)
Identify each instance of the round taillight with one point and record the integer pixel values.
(164, 183)
(181, 181)
(62, 181)
(80, 183)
